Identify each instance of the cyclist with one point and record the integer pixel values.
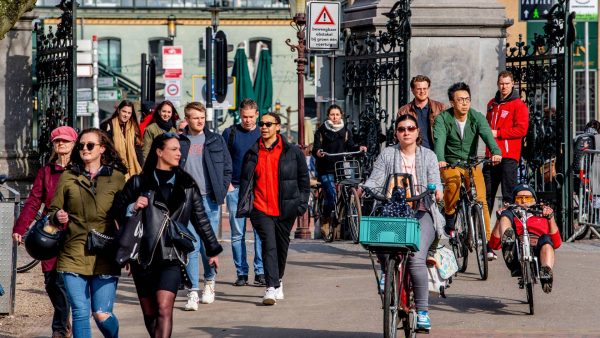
(456, 135)
(408, 156)
(333, 136)
(545, 237)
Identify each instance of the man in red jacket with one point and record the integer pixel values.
(508, 117)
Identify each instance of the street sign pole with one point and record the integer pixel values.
(587, 72)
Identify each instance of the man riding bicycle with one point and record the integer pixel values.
(543, 227)
(456, 135)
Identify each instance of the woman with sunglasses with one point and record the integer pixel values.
(333, 136)
(164, 121)
(63, 139)
(164, 187)
(124, 130)
(408, 156)
(274, 189)
(81, 204)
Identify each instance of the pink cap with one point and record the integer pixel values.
(63, 133)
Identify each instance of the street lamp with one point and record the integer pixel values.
(171, 27)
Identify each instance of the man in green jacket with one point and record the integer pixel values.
(456, 133)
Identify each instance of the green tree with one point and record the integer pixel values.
(11, 11)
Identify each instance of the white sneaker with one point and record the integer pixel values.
(192, 301)
(208, 294)
(279, 291)
(270, 296)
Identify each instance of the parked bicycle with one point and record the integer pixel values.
(469, 228)
(315, 204)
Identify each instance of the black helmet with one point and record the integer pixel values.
(40, 244)
(522, 187)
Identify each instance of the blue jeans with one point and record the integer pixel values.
(213, 212)
(238, 239)
(328, 186)
(95, 294)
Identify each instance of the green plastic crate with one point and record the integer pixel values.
(398, 232)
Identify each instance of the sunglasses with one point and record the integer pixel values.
(524, 199)
(409, 128)
(267, 124)
(90, 146)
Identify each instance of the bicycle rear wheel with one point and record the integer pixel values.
(480, 241)
(391, 299)
(353, 214)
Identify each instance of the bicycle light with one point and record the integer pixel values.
(431, 186)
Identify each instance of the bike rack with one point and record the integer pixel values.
(9, 210)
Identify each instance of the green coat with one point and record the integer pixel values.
(448, 145)
(150, 134)
(87, 209)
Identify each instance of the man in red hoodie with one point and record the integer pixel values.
(508, 117)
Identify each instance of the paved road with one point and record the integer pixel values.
(330, 291)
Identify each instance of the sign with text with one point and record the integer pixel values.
(587, 10)
(535, 10)
(323, 25)
(172, 61)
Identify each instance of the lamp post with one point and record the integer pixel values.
(298, 24)
(171, 27)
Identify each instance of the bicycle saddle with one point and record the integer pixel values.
(3, 179)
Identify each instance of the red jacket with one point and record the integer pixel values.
(510, 118)
(42, 191)
(266, 190)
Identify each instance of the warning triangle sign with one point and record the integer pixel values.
(324, 18)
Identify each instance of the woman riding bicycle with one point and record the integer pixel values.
(409, 157)
(333, 136)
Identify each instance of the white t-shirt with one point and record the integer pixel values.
(461, 127)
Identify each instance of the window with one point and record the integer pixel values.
(201, 51)
(254, 43)
(580, 116)
(109, 53)
(155, 46)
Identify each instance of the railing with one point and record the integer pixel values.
(588, 216)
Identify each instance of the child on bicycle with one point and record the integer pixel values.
(545, 237)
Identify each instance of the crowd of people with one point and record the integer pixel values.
(172, 176)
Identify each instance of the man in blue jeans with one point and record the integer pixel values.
(206, 159)
(240, 138)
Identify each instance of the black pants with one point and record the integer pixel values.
(506, 173)
(275, 236)
(55, 287)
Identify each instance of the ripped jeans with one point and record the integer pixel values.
(95, 294)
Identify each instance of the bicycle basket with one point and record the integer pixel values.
(347, 170)
(396, 232)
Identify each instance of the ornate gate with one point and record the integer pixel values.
(543, 73)
(55, 77)
(376, 74)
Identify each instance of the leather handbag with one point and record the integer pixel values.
(99, 243)
(129, 239)
(181, 237)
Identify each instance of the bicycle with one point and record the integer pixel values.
(469, 226)
(347, 207)
(397, 299)
(24, 261)
(315, 204)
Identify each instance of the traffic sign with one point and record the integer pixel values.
(107, 82)
(323, 25)
(173, 91)
(587, 10)
(109, 95)
(172, 57)
(535, 10)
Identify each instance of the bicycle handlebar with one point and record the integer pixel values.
(382, 198)
(471, 163)
(536, 209)
(349, 153)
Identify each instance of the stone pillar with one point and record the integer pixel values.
(16, 107)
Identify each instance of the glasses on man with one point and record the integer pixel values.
(89, 146)
(462, 100)
(409, 128)
(266, 124)
(524, 199)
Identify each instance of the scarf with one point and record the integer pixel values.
(164, 125)
(334, 127)
(125, 146)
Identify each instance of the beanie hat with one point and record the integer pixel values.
(522, 187)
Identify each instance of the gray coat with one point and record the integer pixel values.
(389, 162)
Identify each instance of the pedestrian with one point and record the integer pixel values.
(456, 134)
(82, 203)
(124, 130)
(205, 157)
(407, 156)
(163, 187)
(63, 140)
(333, 136)
(274, 189)
(164, 120)
(240, 138)
(423, 108)
(508, 117)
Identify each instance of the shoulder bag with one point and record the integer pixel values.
(181, 237)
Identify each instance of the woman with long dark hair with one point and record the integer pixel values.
(164, 121)
(164, 188)
(81, 204)
(124, 130)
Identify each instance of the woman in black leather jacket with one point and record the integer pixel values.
(162, 188)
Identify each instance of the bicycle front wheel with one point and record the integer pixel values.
(391, 300)
(480, 240)
(353, 214)
(459, 246)
(528, 280)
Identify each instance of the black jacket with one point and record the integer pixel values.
(331, 142)
(106, 125)
(217, 163)
(294, 185)
(184, 206)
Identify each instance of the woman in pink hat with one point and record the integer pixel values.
(63, 139)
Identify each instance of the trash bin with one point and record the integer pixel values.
(9, 210)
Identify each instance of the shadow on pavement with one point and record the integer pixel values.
(477, 304)
(267, 332)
